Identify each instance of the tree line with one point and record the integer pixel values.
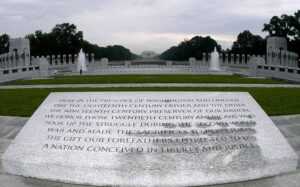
(287, 26)
(191, 48)
(65, 39)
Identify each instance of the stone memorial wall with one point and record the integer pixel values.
(176, 138)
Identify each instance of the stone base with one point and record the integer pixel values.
(215, 152)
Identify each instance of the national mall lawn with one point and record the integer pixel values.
(275, 101)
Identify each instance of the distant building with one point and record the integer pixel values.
(149, 54)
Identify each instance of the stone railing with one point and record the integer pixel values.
(279, 72)
(14, 66)
(20, 66)
(60, 60)
(282, 58)
(231, 60)
(9, 60)
(20, 72)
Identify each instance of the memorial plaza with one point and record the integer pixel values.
(77, 114)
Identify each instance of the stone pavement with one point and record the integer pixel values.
(148, 85)
(289, 126)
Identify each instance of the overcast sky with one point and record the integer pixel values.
(143, 24)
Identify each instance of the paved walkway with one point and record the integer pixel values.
(289, 126)
(148, 85)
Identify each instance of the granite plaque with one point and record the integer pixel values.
(149, 139)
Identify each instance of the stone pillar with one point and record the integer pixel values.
(53, 60)
(18, 60)
(48, 59)
(104, 62)
(59, 60)
(248, 58)
(253, 63)
(27, 58)
(44, 67)
(226, 59)
(243, 59)
(127, 64)
(64, 59)
(3, 61)
(70, 60)
(169, 64)
(7, 61)
(231, 58)
(93, 58)
(237, 59)
(193, 62)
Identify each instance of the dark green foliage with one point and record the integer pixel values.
(115, 52)
(191, 48)
(279, 26)
(248, 43)
(65, 39)
(4, 43)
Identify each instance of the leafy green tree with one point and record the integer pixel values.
(191, 48)
(248, 43)
(65, 39)
(286, 26)
(4, 43)
(115, 52)
(295, 22)
(279, 26)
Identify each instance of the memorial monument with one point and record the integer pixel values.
(21, 47)
(149, 139)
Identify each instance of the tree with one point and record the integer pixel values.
(294, 43)
(4, 43)
(279, 26)
(63, 39)
(248, 43)
(115, 52)
(67, 38)
(191, 48)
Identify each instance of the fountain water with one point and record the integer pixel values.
(81, 65)
(214, 61)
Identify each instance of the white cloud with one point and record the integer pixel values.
(143, 24)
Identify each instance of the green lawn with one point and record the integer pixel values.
(107, 79)
(275, 101)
